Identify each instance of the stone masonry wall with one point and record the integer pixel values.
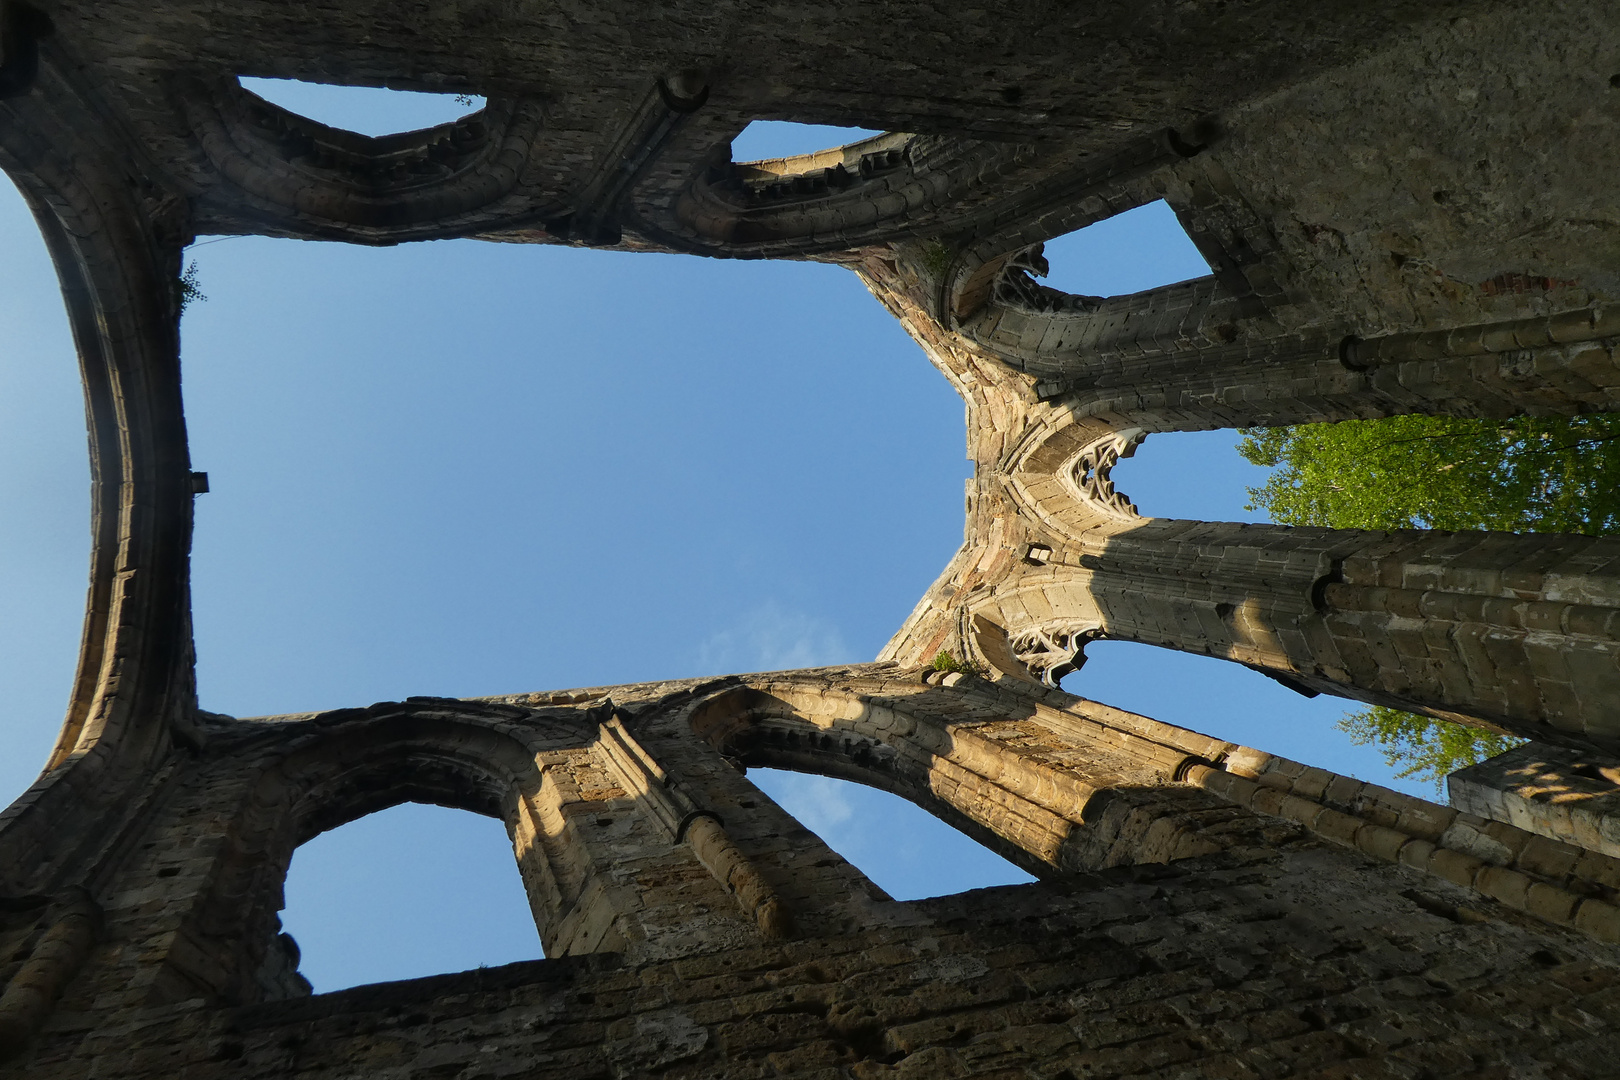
(1203, 910)
(1406, 207)
(1304, 962)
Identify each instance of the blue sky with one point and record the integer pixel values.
(460, 468)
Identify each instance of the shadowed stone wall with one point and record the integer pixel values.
(1406, 208)
(1201, 905)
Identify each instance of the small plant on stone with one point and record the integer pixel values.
(944, 661)
(190, 291)
(936, 258)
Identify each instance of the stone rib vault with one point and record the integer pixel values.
(1409, 208)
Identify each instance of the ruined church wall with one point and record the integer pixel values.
(1210, 907)
(1303, 960)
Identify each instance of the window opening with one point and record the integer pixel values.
(365, 110)
(360, 411)
(1142, 248)
(44, 499)
(1218, 698)
(765, 139)
(1201, 475)
(1197, 475)
(410, 891)
(1527, 474)
(905, 850)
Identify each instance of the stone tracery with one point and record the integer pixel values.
(1052, 651)
(1090, 474)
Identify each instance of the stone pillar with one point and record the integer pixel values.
(1519, 631)
(32, 991)
(1560, 365)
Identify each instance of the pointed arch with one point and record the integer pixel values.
(318, 774)
(1050, 792)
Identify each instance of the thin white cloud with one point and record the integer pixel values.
(772, 639)
(820, 803)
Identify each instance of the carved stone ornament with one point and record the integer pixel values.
(1016, 286)
(1051, 652)
(1089, 474)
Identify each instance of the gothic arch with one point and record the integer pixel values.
(290, 174)
(319, 775)
(116, 251)
(1050, 796)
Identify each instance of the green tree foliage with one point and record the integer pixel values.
(1421, 746)
(944, 661)
(1525, 474)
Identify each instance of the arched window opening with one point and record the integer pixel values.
(904, 849)
(1198, 475)
(406, 892)
(44, 499)
(1525, 474)
(763, 140)
(320, 464)
(1140, 249)
(365, 110)
(1224, 700)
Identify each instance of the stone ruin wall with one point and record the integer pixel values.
(1251, 917)
(1406, 209)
